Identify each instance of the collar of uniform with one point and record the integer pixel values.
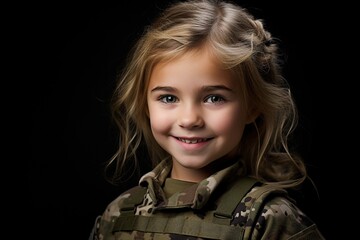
(194, 197)
(154, 179)
(206, 187)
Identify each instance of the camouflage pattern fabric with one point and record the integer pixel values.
(261, 214)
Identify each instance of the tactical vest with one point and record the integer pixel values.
(219, 227)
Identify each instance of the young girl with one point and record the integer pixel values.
(203, 90)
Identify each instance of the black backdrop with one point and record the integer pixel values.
(79, 48)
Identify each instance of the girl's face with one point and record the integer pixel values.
(196, 113)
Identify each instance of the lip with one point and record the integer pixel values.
(193, 143)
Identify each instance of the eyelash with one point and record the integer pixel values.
(162, 98)
(219, 98)
(165, 98)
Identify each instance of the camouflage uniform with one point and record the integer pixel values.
(188, 211)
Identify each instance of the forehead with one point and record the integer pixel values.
(196, 65)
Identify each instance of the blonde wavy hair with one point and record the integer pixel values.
(244, 47)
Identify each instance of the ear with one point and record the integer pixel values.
(252, 114)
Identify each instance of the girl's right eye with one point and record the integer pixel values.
(167, 99)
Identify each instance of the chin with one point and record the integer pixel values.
(194, 163)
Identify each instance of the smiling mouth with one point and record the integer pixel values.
(193, 141)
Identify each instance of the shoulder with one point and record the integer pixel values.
(127, 199)
(290, 222)
(268, 211)
(255, 202)
(106, 221)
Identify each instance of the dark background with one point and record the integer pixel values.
(78, 49)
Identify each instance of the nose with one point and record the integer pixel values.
(190, 117)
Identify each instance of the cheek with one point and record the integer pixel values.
(230, 123)
(159, 121)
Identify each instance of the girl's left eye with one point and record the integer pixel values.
(214, 99)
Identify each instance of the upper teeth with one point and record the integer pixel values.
(191, 141)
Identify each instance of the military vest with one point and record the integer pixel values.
(216, 224)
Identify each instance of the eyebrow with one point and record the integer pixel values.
(163, 88)
(204, 88)
(216, 87)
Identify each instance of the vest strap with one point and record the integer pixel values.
(178, 225)
(129, 204)
(231, 198)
